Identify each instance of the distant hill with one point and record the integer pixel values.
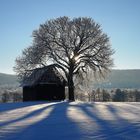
(8, 79)
(122, 79)
(116, 79)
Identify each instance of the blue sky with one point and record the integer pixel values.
(120, 19)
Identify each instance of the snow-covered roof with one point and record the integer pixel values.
(45, 75)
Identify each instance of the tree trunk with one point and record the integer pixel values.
(71, 92)
(71, 87)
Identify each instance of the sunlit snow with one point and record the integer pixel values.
(69, 121)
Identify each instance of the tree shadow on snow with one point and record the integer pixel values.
(28, 115)
(11, 106)
(55, 126)
(118, 129)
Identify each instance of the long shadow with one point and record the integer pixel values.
(11, 106)
(29, 115)
(131, 107)
(109, 130)
(128, 127)
(56, 126)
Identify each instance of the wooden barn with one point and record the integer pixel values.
(44, 84)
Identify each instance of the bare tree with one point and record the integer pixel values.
(73, 45)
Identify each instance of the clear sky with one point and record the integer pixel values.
(120, 19)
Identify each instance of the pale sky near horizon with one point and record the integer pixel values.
(120, 19)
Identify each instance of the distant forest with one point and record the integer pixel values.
(121, 79)
(116, 79)
(8, 79)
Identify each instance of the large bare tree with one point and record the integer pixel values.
(74, 45)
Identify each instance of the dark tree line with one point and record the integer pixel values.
(118, 95)
(98, 95)
(11, 95)
(126, 95)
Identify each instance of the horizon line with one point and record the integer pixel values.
(111, 69)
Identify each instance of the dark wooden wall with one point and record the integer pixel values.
(29, 93)
(44, 92)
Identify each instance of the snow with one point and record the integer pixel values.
(69, 121)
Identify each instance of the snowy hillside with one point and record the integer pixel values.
(8, 79)
(69, 121)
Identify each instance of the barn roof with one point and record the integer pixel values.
(45, 75)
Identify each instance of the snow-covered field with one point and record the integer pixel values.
(69, 121)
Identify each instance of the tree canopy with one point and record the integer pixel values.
(74, 45)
